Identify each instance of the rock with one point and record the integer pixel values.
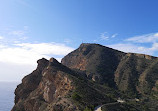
(89, 76)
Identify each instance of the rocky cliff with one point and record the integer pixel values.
(97, 61)
(54, 87)
(89, 76)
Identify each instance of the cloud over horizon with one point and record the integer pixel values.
(18, 60)
(146, 38)
(131, 48)
(28, 53)
(21, 56)
(136, 44)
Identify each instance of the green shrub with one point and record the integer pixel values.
(87, 109)
(76, 96)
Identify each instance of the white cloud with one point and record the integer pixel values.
(114, 35)
(132, 48)
(29, 53)
(104, 36)
(1, 37)
(147, 38)
(46, 48)
(2, 46)
(154, 47)
(20, 59)
(107, 36)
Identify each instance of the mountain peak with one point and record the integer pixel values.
(88, 44)
(91, 75)
(43, 60)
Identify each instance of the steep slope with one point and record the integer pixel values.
(137, 73)
(54, 87)
(89, 76)
(97, 61)
(134, 73)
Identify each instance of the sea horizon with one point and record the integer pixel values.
(7, 89)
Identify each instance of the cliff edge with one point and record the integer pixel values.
(90, 76)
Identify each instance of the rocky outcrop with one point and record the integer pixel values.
(125, 71)
(137, 73)
(54, 87)
(97, 61)
(48, 84)
(89, 76)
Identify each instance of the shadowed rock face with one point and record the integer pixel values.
(137, 72)
(89, 76)
(114, 68)
(97, 61)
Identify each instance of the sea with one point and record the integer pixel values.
(7, 95)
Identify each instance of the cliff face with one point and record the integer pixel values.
(137, 72)
(54, 87)
(125, 71)
(97, 61)
(48, 84)
(89, 76)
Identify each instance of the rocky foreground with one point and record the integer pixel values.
(90, 76)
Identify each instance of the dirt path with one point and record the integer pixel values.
(98, 108)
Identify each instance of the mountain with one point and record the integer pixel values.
(90, 76)
(98, 62)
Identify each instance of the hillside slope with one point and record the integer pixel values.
(90, 76)
(54, 87)
(97, 61)
(125, 71)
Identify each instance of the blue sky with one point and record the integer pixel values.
(32, 29)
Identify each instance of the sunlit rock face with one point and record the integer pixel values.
(89, 76)
(44, 86)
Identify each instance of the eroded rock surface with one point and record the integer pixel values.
(89, 76)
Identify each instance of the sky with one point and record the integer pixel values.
(33, 29)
